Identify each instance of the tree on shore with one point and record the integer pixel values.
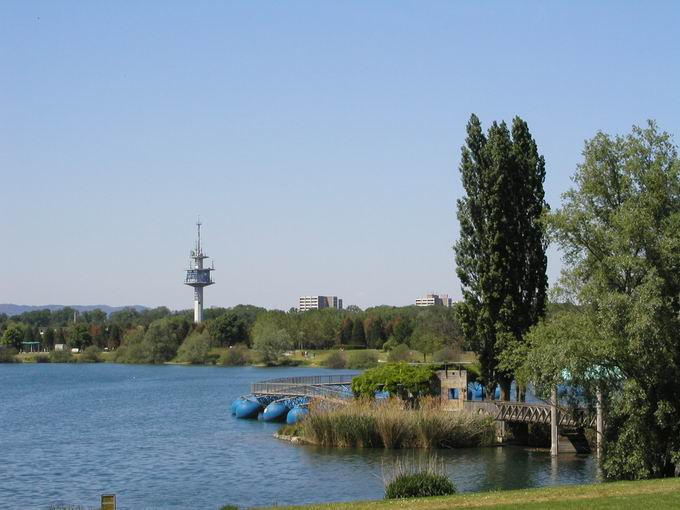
(13, 336)
(500, 254)
(358, 334)
(619, 230)
(271, 341)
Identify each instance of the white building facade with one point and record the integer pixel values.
(434, 299)
(317, 302)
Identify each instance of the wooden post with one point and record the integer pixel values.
(554, 437)
(599, 423)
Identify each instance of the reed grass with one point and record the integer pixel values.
(411, 479)
(392, 424)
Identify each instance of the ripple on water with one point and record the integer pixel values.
(163, 437)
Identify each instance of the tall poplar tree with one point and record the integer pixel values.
(500, 254)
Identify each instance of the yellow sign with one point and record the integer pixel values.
(108, 502)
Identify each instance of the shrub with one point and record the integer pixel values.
(446, 353)
(237, 355)
(42, 358)
(418, 485)
(61, 357)
(362, 359)
(400, 379)
(336, 359)
(399, 353)
(8, 354)
(195, 349)
(90, 355)
(229, 507)
(390, 344)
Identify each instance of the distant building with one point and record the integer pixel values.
(434, 299)
(317, 302)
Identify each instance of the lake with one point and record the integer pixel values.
(163, 437)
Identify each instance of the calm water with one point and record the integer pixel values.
(163, 437)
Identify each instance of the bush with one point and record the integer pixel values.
(390, 344)
(400, 352)
(237, 355)
(90, 355)
(362, 359)
(195, 349)
(400, 379)
(61, 357)
(42, 358)
(336, 359)
(446, 353)
(8, 354)
(418, 485)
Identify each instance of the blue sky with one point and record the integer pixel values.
(318, 141)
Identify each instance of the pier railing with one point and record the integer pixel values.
(530, 413)
(325, 386)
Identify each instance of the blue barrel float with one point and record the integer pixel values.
(247, 407)
(296, 414)
(235, 404)
(276, 411)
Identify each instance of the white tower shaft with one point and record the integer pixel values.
(198, 305)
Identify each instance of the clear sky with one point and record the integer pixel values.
(319, 141)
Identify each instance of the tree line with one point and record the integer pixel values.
(158, 335)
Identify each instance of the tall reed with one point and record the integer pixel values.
(392, 424)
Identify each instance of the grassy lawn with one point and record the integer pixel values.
(648, 495)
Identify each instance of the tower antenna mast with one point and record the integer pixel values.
(198, 276)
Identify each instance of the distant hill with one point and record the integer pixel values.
(11, 309)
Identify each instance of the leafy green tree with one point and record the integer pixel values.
(114, 336)
(229, 329)
(29, 334)
(48, 338)
(358, 334)
(163, 338)
(13, 336)
(401, 328)
(271, 341)
(500, 255)
(345, 334)
(425, 341)
(195, 348)
(375, 331)
(400, 379)
(79, 336)
(619, 230)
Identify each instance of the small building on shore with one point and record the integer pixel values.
(453, 387)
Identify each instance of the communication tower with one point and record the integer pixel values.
(198, 276)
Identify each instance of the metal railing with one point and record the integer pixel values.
(531, 413)
(325, 386)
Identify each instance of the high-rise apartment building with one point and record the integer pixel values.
(434, 299)
(316, 302)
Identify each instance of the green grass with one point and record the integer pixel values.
(648, 495)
